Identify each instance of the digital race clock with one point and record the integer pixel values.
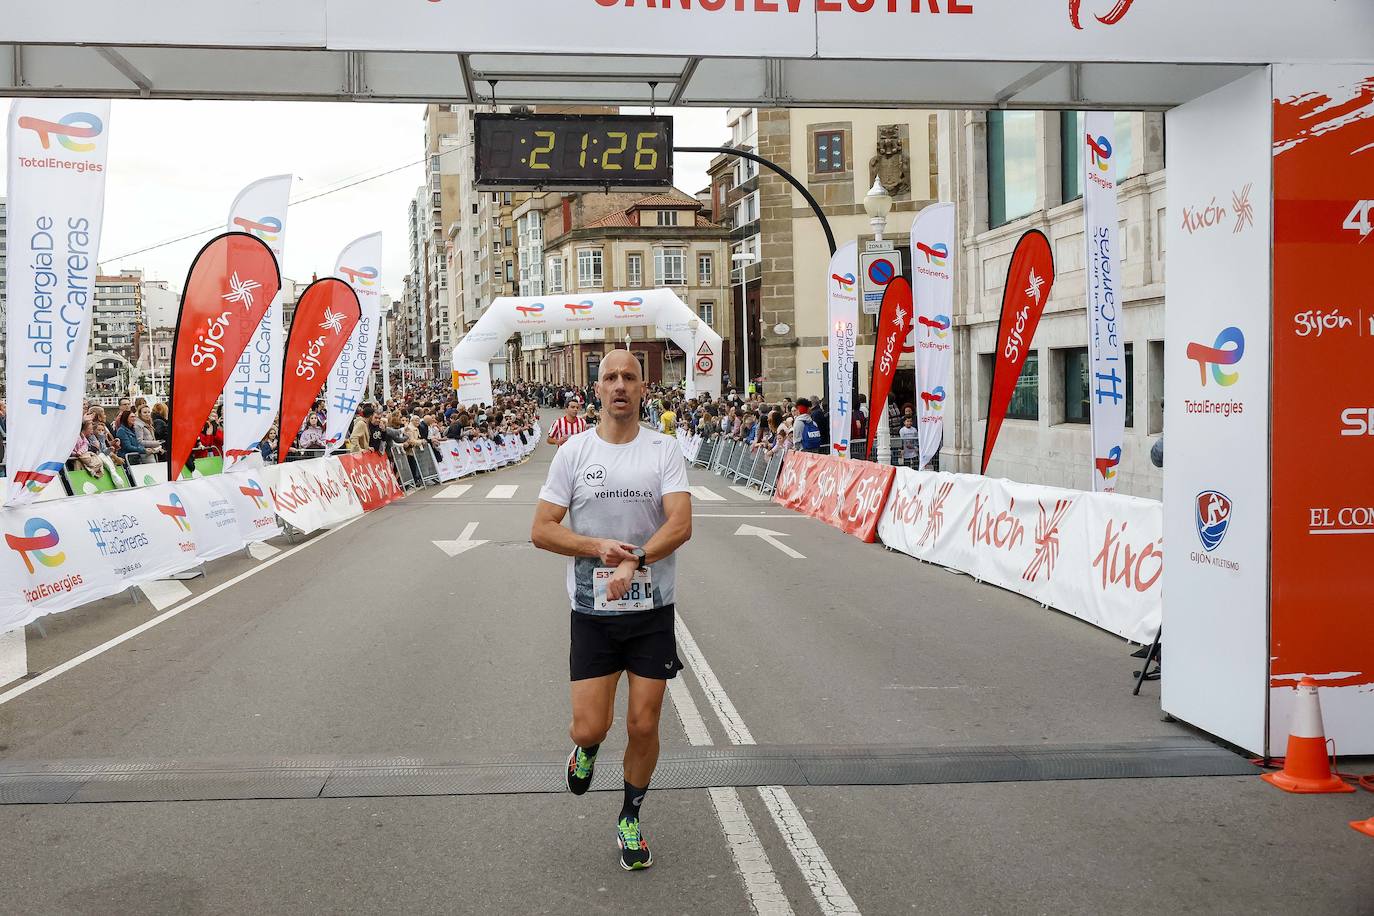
(573, 152)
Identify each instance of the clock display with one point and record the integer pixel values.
(573, 152)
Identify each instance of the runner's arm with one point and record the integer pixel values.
(549, 533)
(676, 530)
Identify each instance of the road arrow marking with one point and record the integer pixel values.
(463, 544)
(770, 537)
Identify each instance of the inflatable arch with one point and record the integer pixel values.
(657, 308)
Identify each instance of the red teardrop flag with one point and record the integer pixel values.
(895, 319)
(230, 286)
(324, 318)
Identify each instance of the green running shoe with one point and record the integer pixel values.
(634, 848)
(580, 769)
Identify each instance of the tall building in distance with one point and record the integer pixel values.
(116, 329)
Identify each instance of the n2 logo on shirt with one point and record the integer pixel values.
(595, 476)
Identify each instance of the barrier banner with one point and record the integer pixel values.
(842, 308)
(894, 323)
(372, 478)
(843, 494)
(232, 281)
(325, 316)
(450, 461)
(313, 494)
(932, 252)
(1099, 557)
(252, 396)
(56, 204)
(212, 515)
(1030, 279)
(1106, 347)
(358, 266)
(257, 520)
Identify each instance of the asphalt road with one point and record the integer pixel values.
(370, 643)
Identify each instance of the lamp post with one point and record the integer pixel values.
(878, 204)
(743, 260)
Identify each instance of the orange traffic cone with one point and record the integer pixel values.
(1307, 769)
(1365, 827)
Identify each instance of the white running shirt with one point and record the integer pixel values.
(616, 491)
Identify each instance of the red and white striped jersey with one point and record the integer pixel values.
(564, 428)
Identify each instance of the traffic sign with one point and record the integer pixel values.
(876, 270)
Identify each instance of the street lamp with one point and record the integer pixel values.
(878, 204)
(743, 260)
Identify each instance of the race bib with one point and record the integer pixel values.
(640, 596)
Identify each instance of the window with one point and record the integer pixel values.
(705, 269)
(1011, 165)
(1025, 400)
(829, 151)
(634, 271)
(555, 275)
(589, 267)
(670, 267)
(1073, 146)
(1079, 386)
(510, 271)
(748, 209)
(667, 217)
(707, 311)
(507, 235)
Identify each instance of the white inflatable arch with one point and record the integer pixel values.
(657, 308)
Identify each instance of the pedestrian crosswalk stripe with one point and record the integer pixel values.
(454, 491)
(755, 495)
(504, 491)
(706, 495)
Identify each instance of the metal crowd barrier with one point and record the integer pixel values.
(402, 465)
(770, 474)
(743, 461)
(705, 449)
(429, 471)
(756, 469)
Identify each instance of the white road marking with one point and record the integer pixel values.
(261, 550)
(750, 493)
(463, 544)
(766, 895)
(453, 491)
(706, 494)
(503, 491)
(163, 593)
(826, 887)
(161, 618)
(769, 537)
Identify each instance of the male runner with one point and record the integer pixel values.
(568, 425)
(624, 490)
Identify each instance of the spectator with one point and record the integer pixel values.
(130, 447)
(805, 433)
(268, 444)
(143, 427)
(312, 436)
(360, 437)
(911, 443)
(4, 429)
(162, 429)
(667, 420)
(84, 454)
(211, 439)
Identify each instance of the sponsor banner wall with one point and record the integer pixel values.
(373, 479)
(1098, 557)
(934, 246)
(1106, 314)
(1322, 580)
(310, 495)
(358, 266)
(842, 307)
(1216, 422)
(847, 495)
(58, 149)
(252, 395)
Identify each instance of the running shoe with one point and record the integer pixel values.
(580, 769)
(634, 848)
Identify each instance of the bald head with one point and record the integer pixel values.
(621, 386)
(618, 361)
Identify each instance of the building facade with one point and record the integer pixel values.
(116, 333)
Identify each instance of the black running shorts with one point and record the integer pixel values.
(641, 643)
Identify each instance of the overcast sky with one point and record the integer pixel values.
(175, 168)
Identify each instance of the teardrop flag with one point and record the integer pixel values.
(231, 283)
(894, 324)
(1030, 279)
(325, 318)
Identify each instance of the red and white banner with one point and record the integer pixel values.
(373, 479)
(360, 267)
(58, 149)
(895, 319)
(1106, 311)
(1099, 557)
(842, 308)
(933, 251)
(847, 495)
(310, 495)
(252, 396)
(325, 316)
(1030, 278)
(229, 287)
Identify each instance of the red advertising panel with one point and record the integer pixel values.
(326, 314)
(230, 286)
(372, 479)
(1322, 582)
(1030, 278)
(848, 495)
(894, 323)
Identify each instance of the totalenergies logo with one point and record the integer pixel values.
(70, 131)
(934, 400)
(846, 281)
(1107, 466)
(1228, 350)
(39, 538)
(254, 492)
(35, 481)
(176, 511)
(579, 309)
(469, 376)
(630, 306)
(364, 276)
(1099, 152)
(1111, 17)
(268, 228)
(527, 310)
(937, 254)
(939, 325)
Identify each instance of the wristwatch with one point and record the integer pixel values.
(639, 554)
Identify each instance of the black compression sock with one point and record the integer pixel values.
(633, 798)
(591, 751)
